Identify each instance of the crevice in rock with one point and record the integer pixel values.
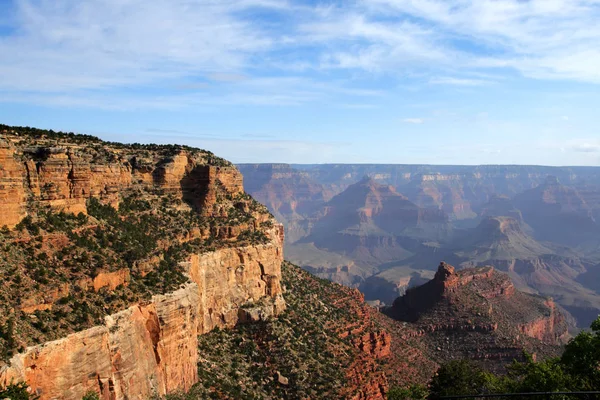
(153, 327)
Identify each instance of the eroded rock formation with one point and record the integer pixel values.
(150, 347)
(477, 313)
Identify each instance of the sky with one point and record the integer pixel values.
(313, 81)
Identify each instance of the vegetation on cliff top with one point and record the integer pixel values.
(28, 136)
(48, 263)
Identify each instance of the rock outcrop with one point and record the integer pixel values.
(152, 348)
(560, 205)
(558, 213)
(12, 187)
(478, 313)
(230, 252)
(65, 175)
(232, 282)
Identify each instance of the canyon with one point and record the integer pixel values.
(350, 223)
(139, 271)
(330, 344)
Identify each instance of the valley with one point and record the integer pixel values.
(147, 271)
(381, 228)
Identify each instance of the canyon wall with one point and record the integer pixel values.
(458, 190)
(152, 348)
(144, 350)
(149, 347)
(12, 191)
(482, 300)
(64, 177)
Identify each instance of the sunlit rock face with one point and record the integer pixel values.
(150, 347)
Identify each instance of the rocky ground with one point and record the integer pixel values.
(328, 344)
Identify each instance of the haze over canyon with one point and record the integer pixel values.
(384, 228)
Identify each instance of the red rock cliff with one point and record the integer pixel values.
(64, 177)
(151, 347)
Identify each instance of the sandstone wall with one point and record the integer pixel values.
(551, 328)
(238, 283)
(142, 350)
(12, 186)
(148, 348)
(65, 177)
(152, 348)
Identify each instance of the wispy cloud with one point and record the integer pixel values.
(555, 39)
(413, 120)
(64, 45)
(586, 148)
(459, 81)
(68, 51)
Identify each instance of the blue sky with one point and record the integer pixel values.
(376, 81)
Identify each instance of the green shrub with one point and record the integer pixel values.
(17, 391)
(91, 395)
(415, 392)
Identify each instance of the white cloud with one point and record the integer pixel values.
(280, 91)
(557, 39)
(459, 81)
(586, 148)
(413, 120)
(63, 45)
(79, 51)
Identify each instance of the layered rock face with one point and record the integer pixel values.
(558, 213)
(373, 224)
(232, 282)
(65, 177)
(230, 251)
(292, 195)
(152, 348)
(12, 189)
(375, 233)
(477, 313)
(144, 350)
(458, 190)
(532, 265)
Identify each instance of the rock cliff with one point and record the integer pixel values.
(152, 348)
(371, 224)
(116, 257)
(330, 344)
(143, 350)
(65, 174)
(477, 313)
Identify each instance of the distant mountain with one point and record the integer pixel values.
(383, 234)
(501, 206)
(558, 213)
(370, 224)
(498, 238)
(369, 208)
(291, 195)
(533, 266)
